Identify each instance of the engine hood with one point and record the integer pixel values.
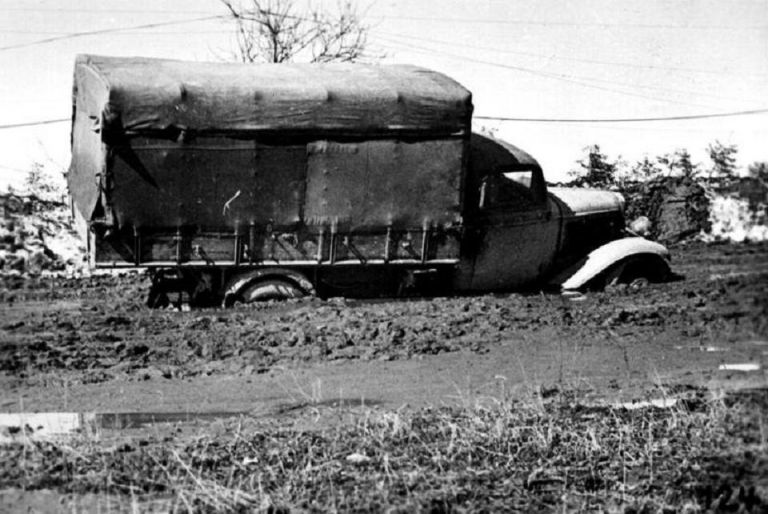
(588, 201)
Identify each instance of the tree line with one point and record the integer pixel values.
(597, 170)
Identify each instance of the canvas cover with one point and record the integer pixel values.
(171, 147)
(140, 94)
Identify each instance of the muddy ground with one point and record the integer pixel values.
(89, 345)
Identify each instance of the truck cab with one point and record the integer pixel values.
(511, 224)
(520, 234)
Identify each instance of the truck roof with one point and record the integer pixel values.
(143, 95)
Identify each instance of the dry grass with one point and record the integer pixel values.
(704, 454)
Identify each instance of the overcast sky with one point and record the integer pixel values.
(540, 59)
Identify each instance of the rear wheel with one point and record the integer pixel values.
(271, 289)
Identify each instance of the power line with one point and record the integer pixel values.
(127, 32)
(556, 57)
(574, 24)
(618, 83)
(506, 118)
(554, 76)
(425, 18)
(626, 120)
(34, 123)
(107, 31)
(99, 11)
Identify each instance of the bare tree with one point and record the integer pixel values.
(279, 31)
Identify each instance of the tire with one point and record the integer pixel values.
(271, 289)
(635, 272)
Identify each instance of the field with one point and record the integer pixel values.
(624, 400)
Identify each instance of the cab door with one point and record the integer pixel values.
(513, 232)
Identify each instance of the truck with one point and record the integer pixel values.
(245, 182)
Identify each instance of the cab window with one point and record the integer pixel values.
(507, 189)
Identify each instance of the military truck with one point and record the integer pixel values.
(242, 182)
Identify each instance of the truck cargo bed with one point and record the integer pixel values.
(180, 163)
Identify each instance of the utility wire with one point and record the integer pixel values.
(495, 21)
(627, 120)
(107, 31)
(130, 31)
(34, 123)
(127, 32)
(99, 11)
(425, 18)
(535, 120)
(432, 51)
(556, 57)
(618, 83)
(555, 76)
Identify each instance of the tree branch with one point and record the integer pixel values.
(275, 31)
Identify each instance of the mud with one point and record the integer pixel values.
(96, 329)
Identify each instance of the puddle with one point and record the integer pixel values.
(735, 274)
(115, 421)
(745, 366)
(659, 403)
(334, 403)
(707, 349)
(42, 424)
(734, 345)
(50, 425)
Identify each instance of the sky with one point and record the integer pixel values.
(545, 61)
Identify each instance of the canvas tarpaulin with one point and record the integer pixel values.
(139, 94)
(161, 144)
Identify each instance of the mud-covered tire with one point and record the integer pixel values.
(271, 289)
(635, 272)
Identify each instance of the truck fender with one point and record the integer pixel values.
(237, 284)
(611, 253)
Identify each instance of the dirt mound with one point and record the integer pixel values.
(677, 207)
(36, 236)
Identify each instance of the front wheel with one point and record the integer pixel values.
(635, 272)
